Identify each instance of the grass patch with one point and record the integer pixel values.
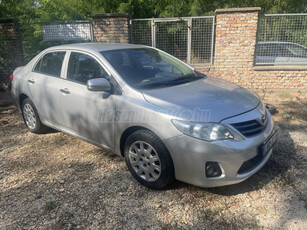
(287, 180)
(211, 213)
(163, 225)
(304, 199)
(49, 206)
(285, 95)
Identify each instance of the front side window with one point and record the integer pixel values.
(269, 50)
(82, 67)
(51, 64)
(146, 68)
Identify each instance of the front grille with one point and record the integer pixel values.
(250, 128)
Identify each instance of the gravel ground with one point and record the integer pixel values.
(54, 181)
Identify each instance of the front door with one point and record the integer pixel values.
(87, 113)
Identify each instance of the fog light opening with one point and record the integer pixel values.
(213, 169)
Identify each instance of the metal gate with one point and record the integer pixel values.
(38, 36)
(190, 39)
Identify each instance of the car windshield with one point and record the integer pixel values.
(146, 68)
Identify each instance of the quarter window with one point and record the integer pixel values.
(82, 67)
(51, 64)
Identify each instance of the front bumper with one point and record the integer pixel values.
(190, 156)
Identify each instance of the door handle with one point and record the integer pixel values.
(31, 81)
(66, 91)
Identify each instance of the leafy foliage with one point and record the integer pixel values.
(3, 43)
(284, 29)
(28, 11)
(51, 10)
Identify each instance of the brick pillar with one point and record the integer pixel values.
(236, 30)
(11, 55)
(112, 28)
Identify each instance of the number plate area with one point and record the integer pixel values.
(268, 144)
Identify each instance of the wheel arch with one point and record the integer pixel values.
(126, 134)
(21, 98)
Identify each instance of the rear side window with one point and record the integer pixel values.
(82, 67)
(38, 66)
(268, 50)
(51, 64)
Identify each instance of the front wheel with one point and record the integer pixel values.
(148, 160)
(31, 117)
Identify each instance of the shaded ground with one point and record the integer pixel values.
(54, 181)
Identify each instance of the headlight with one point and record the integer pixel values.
(204, 131)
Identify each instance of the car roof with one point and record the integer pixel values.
(272, 42)
(98, 46)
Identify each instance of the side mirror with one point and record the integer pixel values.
(98, 84)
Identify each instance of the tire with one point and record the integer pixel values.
(31, 117)
(148, 160)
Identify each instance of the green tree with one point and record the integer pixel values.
(49, 10)
(28, 11)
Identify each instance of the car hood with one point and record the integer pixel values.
(210, 99)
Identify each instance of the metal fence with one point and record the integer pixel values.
(282, 40)
(190, 39)
(41, 35)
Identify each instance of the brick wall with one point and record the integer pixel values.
(112, 28)
(236, 32)
(10, 50)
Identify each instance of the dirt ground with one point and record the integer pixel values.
(55, 181)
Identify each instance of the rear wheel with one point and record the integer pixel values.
(148, 160)
(31, 117)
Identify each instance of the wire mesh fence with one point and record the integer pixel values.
(189, 38)
(282, 40)
(172, 37)
(141, 32)
(41, 35)
(202, 40)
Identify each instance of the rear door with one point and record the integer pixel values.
(87, 113)
(43, 84)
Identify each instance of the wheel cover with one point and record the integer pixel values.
(29, 116)
(145, 161)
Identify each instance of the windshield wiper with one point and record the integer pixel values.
(152, 85)
(176, 81)
(183, 80)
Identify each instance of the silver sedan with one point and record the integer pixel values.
(168, 120)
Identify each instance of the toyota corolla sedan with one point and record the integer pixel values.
(281, 53)
(166, 119)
